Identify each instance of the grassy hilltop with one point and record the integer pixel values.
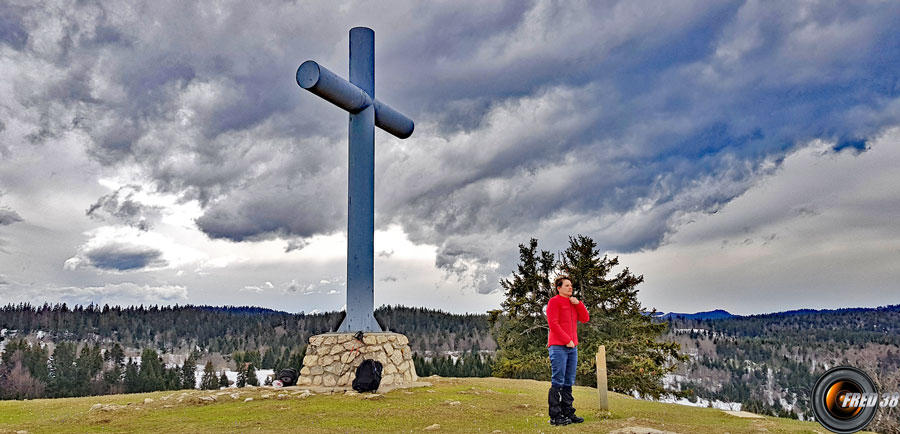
(456, 404)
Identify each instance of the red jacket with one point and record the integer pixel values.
(561, 317)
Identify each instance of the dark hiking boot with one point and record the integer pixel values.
(565, 404)
(554, 401)
(560, 421)
(554, 395)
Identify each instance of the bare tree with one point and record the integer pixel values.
(887, 380)
(18, 382)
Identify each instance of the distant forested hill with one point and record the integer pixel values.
(766, 362)
(849, 327)
(228, 329)
(55, 351)
(770, 362)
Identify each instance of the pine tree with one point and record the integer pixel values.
(268, 360)
(636, 361)
(223, 380)
(152, 375)
(253, 356)
(64, 381)
(279, 365)
(209, 380)
(250, 375)
(188, 376)
(34, 359)
(520, 327)
(132, 380)
(172, 378)
(241, 375)
(238, 357)
(115, 357)
(88, 367)
(16, 382)
(296, 360)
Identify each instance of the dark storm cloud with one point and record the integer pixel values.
(295, 245)
(114, 256)
(123, 257)
(8, 217)
(281, 202)
(122, 206)
(11, 30)
(538, 119)
(674, 120)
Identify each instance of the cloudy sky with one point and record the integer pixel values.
(739, 155)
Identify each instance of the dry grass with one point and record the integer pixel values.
(456, 404)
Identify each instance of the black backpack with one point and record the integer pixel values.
(288, 377)
(368, 376)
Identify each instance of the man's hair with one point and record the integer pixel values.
(559, 282)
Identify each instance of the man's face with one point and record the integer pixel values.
(566, 289)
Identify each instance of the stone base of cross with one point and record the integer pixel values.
(332, 359)
(358, 98)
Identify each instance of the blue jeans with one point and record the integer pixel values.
(562, 365)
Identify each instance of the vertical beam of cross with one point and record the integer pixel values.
(358, 98)
(361, 201)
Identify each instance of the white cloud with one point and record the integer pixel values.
(258, 289)
(124, 294)
(323, 286)
(532, 121)
(122, 249)
(818, 233)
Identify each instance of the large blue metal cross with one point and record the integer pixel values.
(358, 97)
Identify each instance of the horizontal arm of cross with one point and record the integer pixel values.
(334, 89)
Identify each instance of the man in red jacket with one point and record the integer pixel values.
(564, 312)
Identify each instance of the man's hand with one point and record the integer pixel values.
(573, 300)
(571, 344)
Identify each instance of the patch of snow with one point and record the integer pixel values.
(261, 375)
(702, 402)
(785, 404)
(673, 381)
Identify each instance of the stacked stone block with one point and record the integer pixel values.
(332, 358)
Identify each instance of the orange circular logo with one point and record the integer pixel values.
(844, 399)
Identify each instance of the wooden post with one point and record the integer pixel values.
(601, 378)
